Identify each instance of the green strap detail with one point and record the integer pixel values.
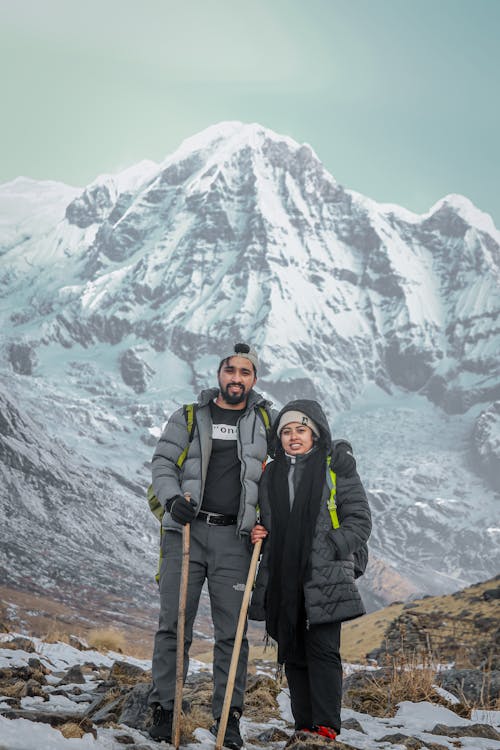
(265, 418)
(160, 557)
(154, 504)
(189, 417)
(332, 505)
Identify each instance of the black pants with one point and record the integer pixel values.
(314, 674)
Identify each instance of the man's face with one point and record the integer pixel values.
(236, 380)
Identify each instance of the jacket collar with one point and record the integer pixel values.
(301, 458)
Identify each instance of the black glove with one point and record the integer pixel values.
(181, 510)
(343, 462)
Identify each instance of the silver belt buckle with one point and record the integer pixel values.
(209, 517)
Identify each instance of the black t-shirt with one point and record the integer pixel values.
(223, 484)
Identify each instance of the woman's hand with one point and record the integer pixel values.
(258, 532)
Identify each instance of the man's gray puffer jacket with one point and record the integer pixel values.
(169, 480)
(330, 592)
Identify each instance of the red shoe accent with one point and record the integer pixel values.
(325, 732)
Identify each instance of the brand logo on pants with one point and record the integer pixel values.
(239, 587)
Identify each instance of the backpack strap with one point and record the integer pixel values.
(332, 505)
(267, 425)
(189, 411)
(189, 415)
(265, 419)
(360, 555)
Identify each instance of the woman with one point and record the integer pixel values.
(305, 586)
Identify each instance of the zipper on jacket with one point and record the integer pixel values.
(243, 472)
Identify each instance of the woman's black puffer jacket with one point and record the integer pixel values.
(330, 592)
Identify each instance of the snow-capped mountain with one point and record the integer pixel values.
(117, 302)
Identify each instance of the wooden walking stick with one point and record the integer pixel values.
(181, 621)
(219, 742)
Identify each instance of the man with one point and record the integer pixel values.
(221, 473)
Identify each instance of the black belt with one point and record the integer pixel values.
(216, 519)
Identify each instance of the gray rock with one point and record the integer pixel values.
(447, 222)
(97, 703)
(135, 372)
(54, 718)
(135, 707)
(473, 686)
(32, 688)
(73, 675)
(22, 357)
(486, 440)
(408, 366)
(78, 643)
(353, 724)
(109, 712)
(305, 741)
(124, 739)
(273, 734)
(411, 743)
(91, 207)
(19, 642)
(468, 730)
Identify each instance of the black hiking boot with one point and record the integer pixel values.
(161, 729)
(232, 738)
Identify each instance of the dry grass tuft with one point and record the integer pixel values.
(71, 730)
(404, 680)
(13, 690)
(76, 730)
(55, 634)
(108, 639)
(10, 645)
(261, 698)
(196, 717)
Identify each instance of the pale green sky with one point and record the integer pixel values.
(399, 98)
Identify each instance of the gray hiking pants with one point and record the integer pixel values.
(223, 559)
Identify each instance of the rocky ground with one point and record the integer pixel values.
(59, 696)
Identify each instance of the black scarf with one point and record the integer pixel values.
(290, 546)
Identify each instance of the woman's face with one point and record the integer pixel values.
(296, 438)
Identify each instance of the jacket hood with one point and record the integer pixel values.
(313, 410)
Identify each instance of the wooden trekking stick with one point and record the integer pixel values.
(181, 622)
(219, 742)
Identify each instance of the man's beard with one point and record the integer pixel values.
(233, 398)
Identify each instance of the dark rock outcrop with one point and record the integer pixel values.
(135, 372)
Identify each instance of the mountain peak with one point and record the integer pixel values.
(467, 211)
(232, 135)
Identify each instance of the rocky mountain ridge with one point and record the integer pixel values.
(117, 301)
